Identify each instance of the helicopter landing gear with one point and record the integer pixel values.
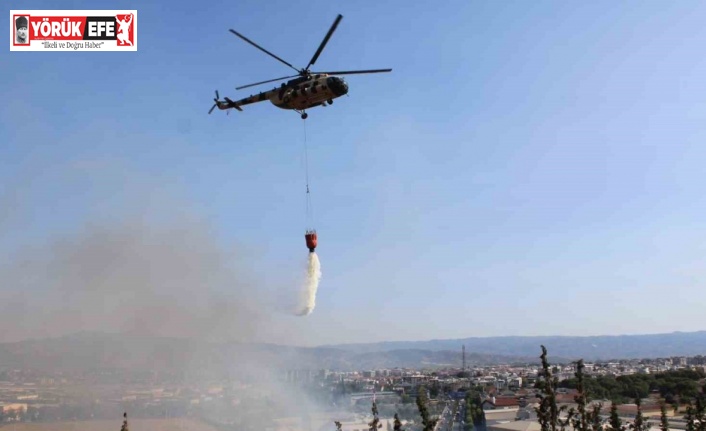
(303, 114)
(330, 101)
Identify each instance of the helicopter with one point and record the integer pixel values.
(307, 90)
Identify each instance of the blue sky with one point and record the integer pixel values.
(528, 168)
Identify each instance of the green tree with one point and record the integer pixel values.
(475, 416)
(422, 400)
(580, 417)
(398, 424)
(124, 427)
(639, 424)
(342, 387)
(595, 417)
(434, 392)
(671, 385)
(690, 417)
(469, 416)
(614, 421)
(663, 421)
(700, 410)
(548, 411)
(375, 423)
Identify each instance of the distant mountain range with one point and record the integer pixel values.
(96, 351)
(602, 347)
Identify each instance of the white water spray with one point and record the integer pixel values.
(311, 284)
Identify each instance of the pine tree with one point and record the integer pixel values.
(663, 422)
(398, 424)
(375, 424)
(615, 422)
(422, 399)
(700, 410)
(580, 418)
(548, 411)
(595, 417)
(639, 424)
(124, 427)
(690, 417)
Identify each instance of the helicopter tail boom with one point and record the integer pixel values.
(232, 104)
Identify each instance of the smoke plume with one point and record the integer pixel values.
(131, 277)
(128, 275)
(129, 255)
(311, 284)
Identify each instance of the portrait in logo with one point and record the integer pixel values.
(21, 33)
(125, 29)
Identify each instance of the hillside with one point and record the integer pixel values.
(99, 351)
(590, 348)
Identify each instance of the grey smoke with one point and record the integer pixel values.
(167, 280)
(129, 257)
(132, 259)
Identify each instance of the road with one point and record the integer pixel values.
(451, 417)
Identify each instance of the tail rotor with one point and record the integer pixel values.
(215, 104)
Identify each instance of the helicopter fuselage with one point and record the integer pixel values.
(298, 94)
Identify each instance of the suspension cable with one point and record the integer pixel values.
(309, 210)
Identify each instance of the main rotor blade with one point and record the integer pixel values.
(325, 41)
(351, 72)
(264, 82)
(261, 48)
